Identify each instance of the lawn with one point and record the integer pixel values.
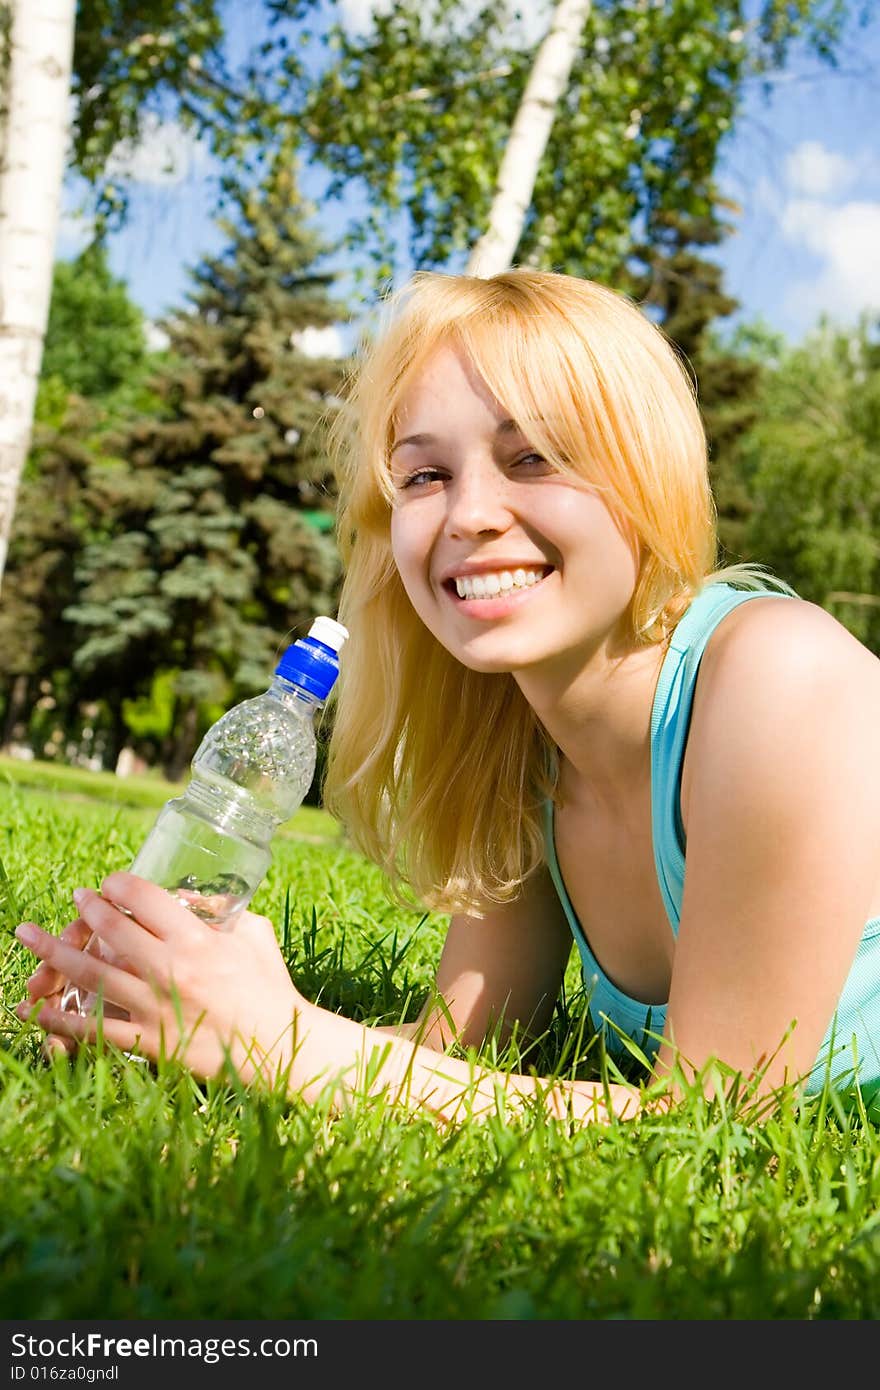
(135, 1192)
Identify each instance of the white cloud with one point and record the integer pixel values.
(839, 235)
(164, 154)
(156, 338)
(357, 14)
(815, 172)
(318, 342)
(845, 239)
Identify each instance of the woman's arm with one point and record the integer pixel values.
(211, 998)
(497, 973)
(783, 846)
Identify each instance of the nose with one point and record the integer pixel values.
(477, 500)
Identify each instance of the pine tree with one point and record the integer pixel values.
(95, 363)
(683, 291)
(95, 338)
(36, 644)
(220, 552)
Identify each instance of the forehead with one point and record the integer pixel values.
(447, 369)
(447, 387)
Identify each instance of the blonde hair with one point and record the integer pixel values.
(438, 771)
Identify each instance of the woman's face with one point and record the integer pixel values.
(508, 562)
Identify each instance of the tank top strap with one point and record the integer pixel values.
(670, 724)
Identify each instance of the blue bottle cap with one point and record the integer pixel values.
(312, 663)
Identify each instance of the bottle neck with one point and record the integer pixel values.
(294, 697)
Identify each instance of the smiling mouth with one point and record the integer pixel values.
(496, 585)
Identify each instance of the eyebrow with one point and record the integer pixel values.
(423, 441)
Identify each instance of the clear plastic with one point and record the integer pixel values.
(210, 847)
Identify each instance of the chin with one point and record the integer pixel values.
(501, 662)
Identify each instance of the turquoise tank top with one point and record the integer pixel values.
(854, 1032)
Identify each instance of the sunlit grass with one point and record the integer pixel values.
(135, 1192)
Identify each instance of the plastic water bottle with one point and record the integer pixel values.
(210, 847)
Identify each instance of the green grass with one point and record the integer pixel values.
(131, 1192)
(148, 791)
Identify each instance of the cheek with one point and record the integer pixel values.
(622, 547)
(398, 542)
(408, 551)
(592, 523)
(598, 545)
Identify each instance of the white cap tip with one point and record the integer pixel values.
(328, 631)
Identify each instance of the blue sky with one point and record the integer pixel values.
(803, 166)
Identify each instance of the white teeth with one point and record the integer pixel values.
(488, 585)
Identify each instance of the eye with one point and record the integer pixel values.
(420, 476)
(532, 459)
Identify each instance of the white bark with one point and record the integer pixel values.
(528, 139)
(34, 145)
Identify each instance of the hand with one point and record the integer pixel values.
(47, 983)
(203, 995)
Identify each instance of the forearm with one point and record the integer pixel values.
(336, 1055)
(431, 1029)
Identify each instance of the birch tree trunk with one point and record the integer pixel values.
(33, 145)
(528, 139)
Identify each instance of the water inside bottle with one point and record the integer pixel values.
(214, 901)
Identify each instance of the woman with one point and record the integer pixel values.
(549, 696)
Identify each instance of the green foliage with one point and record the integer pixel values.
(683, 292)
(46, 538)
(153, 714)
(203, 557)
(812, 464)
(95, 370)
(178, 529)
(418, 109)
(133, 62)
(95, 339)
(137, 1192)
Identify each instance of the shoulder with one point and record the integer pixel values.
(781, 680)
(772, 646)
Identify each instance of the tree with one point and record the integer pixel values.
(121, 62)
(419, 111)
(95, 338)
(528, 139)
(683, 292)
(207, 556)
(812, 462)
(37, 645)
(36, 84)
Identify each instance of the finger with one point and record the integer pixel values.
(54, 1046)
(73, 1027)
(86, 969)
(154, 907)
(45, 980)
(126, 942)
